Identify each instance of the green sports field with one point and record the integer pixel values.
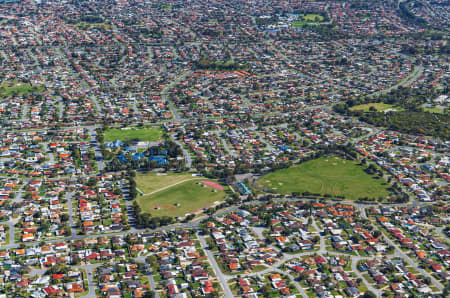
(149, 182)
(150, 134)
(190, 195)
(310, 18)
(326, 175)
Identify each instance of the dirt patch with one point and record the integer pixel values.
(213, 185)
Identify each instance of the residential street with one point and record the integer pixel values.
(220, 276)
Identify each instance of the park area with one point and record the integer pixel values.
(176, 194)
(327, 175)
(145, 134)
(375, 106)
(17, 88)
(310, 18)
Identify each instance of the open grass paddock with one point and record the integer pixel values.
(150, 134)
(327, 175)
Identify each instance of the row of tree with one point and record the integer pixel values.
(207, 63)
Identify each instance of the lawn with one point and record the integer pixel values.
(150, 134)
(327, 175)
(307, 19)
(312, 17)
(166, 6)
(191, 196)
(434, 110)
(17, 88)
(149, 182)
(379, 106)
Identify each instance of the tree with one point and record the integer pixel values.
(45, 227)
(189, 217)
(265, 290)
(151, 260)
(369, 294)
(149, 294)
